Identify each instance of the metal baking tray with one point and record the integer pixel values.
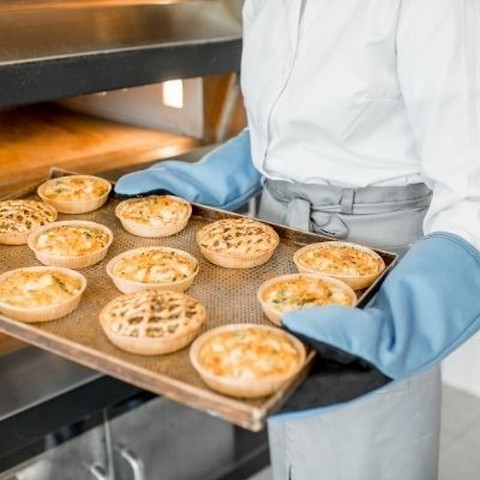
(228, 294)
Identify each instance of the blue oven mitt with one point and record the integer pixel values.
(224, 178)
(426, 307)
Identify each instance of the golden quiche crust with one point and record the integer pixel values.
(355, 264)
(75, 194)
(72, 244)
(152, 267)
(154, 216)
(152, 322)
(71, 240)
(75, 188)
(237, 242)
(291, 292)
(250, 353)
(20, 217)
(39, 294)
(247, 360)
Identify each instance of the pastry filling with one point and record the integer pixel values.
(250, 354)
(22, 216)
(242, 236)
(71, 241)
(341, 260)
(154, 266)
(154, 314)
(75, 188)
(30, 289)
(303, 292)
(155, 210)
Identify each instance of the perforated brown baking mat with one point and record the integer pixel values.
(228, 294)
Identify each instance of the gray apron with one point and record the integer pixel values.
(391, 433)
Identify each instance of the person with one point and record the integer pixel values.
(364, 124)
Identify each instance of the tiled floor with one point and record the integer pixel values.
(460, 438)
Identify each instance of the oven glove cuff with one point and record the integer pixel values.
(224, 178)
(426, 307)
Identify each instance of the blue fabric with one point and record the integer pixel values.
(427, 306)
(224, 178)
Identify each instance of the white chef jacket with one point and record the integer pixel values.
(368, 93)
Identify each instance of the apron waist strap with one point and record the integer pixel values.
(321, 204)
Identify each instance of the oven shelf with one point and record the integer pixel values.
(37, 137)
(55, 50)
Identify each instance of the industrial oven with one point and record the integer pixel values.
(108, 72)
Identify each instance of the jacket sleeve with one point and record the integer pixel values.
(438, 61)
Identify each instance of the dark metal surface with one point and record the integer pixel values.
(47, 34)
(47, 401)
(48, 54)
(46, 404)
(32, 376)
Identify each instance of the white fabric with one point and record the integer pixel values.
(369, 92)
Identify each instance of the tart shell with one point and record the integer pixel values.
(130, 286)
(44, 313)
(151, 345)
(234, 259)
(274, 315)
(81, 261)
(152, 231)
(146, 346)
(75, 206)
(357, 282)
(20, 238)
(242, 388)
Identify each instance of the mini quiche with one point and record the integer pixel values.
(152, 322)
(154, 216)
(19, 217)
(356, 265)
(152, 267)
(40, 294)
(286, 293)
(247, 360)
(237, 242)
(73, 244)
(75, 193)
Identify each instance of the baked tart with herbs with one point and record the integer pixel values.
(40, 294)
(247, 360)
(72, 244)
(75, 193)
(356, 265)
(287, 293)
(152, 322)
(237, 242)
(152, 267)
(18, 218)
(154, 216)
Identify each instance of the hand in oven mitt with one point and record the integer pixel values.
(224, 178)
(426, 307)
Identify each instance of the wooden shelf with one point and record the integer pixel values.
(34, 139)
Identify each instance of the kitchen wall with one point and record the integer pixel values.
(462, 368)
